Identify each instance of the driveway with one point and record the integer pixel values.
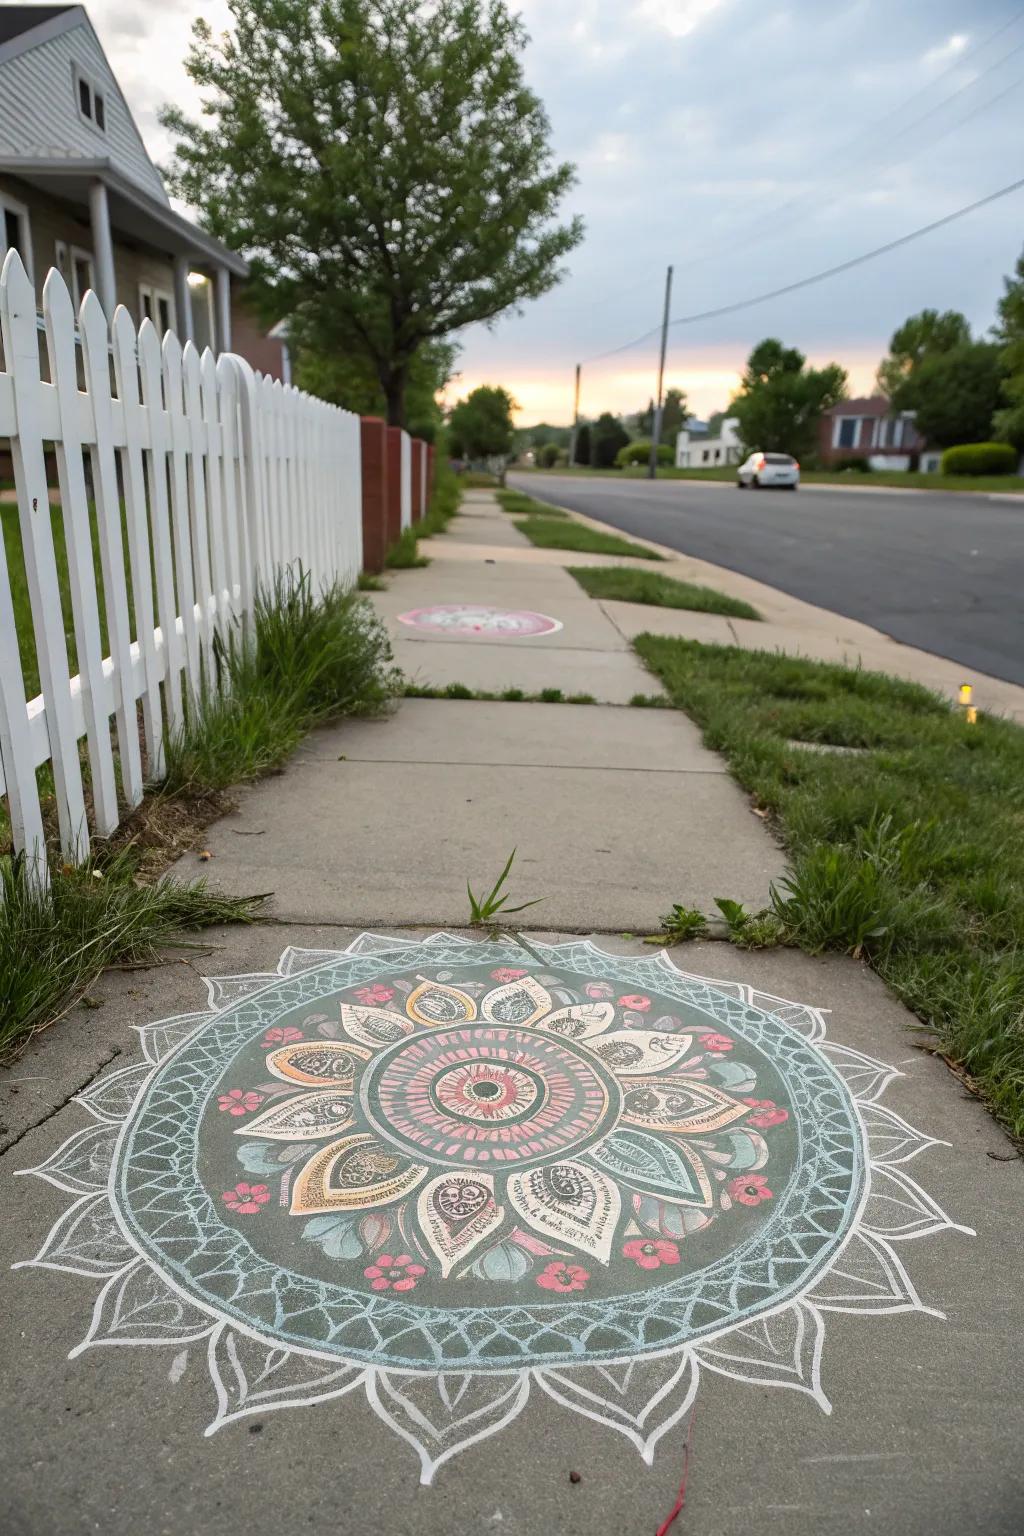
(938, 571)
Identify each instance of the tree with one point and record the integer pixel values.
(923, 335)
(781, 400)
(715, 421)
(955, 394)
(480, 427)
(1008, 423)
(607, 436)
(351, 381)
(547, 455)
(673, 414)
(381, 163)
(582, 455)
(643, 421)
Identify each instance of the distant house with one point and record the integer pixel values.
(870, 429)
(695, 449)
(79, 192)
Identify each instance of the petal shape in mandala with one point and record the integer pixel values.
(253, 1377)
(782, 1350)
(225, 990)
(517, 1002)
(653, 1166)
(374, 1027)
(662, 1104)
(317, 1064)
(891, 1139)
(808, 1021)
(670, 1218)
(455, 1212)
(897, 1208)
(165, 1035)
(866, 1078)
(440, 1415)
(581, 1021)
(866, 1276)
(642, 1399)
(743, 1151)
(352, 1174)
(137, 1306)
(637, 1052)
(306, 1117)
(432, 1003)
(86, 1240)
(111, 1097)
(82, 1164)
(294, 961)
(570, 1202)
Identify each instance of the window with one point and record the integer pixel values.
(15, 230)
(91, 103)
(75, 266)
(157, 305)
(848, 433)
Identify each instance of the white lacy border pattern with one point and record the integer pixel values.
(442, 1414)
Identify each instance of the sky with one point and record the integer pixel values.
(749, 144)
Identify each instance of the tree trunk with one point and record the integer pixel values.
(394, 394)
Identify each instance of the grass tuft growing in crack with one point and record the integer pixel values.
(54, 944)
(624, 584)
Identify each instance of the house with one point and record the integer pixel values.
(870, 429)
(79, 192)
(697, 450)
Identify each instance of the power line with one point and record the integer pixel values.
(817, 277)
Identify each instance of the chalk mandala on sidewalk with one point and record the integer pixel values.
(447, 1173)
(469, 619)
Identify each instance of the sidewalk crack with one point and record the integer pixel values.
(117, 1050)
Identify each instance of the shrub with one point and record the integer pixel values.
(547, 456)
(980, 459)
(857, 462)
(640, 453)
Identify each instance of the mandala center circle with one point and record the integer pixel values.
(485, 1095)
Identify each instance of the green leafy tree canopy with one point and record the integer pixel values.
(954, 395)
(607, 436)
(1008, 423)
(381, 163)
(349, 379)
(921, 336)
(781, 400)
(480, 427)
(674, 412)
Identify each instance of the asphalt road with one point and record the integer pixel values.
(942, 572)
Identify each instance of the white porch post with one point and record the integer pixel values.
(183, 300)
(286, 363)
(103, 248)
(223, 310)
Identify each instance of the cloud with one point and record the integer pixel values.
(945, 53)
(676, 17)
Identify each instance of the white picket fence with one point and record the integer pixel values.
(226, 479)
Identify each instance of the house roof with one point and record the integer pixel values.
(16, 19)
(866, 405)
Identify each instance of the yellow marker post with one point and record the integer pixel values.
(965, 694)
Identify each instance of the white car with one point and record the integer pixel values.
(762, 469)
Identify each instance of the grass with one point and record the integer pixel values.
(521, 505)
(404, 554)
(312, 658)
(626, 585)
(909, 854)
(557, 533)
(891, 479)
(507, 695)
(53, 946)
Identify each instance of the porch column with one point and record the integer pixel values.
(103, 248)
(183, 300)
(223, 310)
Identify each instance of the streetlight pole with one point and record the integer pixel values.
(652, 466)
(575, 419)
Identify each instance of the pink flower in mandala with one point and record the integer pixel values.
(246, 1199)
(563, 1277)
(376, 995)
(636, 1001)
(750, 1189)
(282, 1036)
(506, 973)
(239, 1101)
(767, 1112)
(649, 1253)
(717, 1042)
(393, 1274)
(598, 990)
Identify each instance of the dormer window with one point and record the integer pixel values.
(91, 104)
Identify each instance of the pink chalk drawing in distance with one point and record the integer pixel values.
(469, 620)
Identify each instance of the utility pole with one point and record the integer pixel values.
(575, 419)
(652, 467)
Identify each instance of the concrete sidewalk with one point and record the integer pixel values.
(616, 812)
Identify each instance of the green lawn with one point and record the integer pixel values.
(520, 505)
(10, 531)
(626, 585)
(563, 533)
(903, 482)
(909, 853)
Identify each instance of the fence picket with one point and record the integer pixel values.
(96, 362)
(151, 372)
(180, 521)
(223, 597)
(21, 350)
(19, 769)
(229, 383)
(205, 601)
